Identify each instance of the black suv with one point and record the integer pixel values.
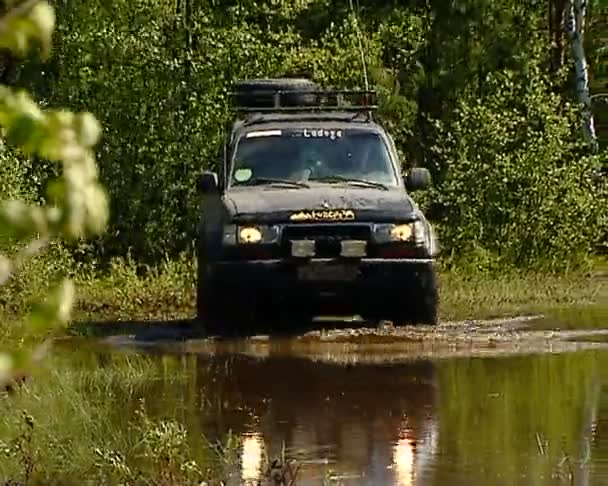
(310, 215)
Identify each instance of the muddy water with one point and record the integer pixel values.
(479, 403)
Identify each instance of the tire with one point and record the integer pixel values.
(259, 92)
(208, 305)
(424, 308)
(217, 315)
(427, 309)
(421, 308)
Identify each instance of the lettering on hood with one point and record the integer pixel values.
(324, 215)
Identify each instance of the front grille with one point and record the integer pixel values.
(326, 236)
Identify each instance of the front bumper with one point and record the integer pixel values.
(281, 275)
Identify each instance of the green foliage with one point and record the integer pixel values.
(515, 185)
(14, 171)
(157, 73)
(165, 106)
(77, 204)
(28, 25)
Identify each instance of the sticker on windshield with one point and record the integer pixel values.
(264, 133)
(243, 175)
(332, 134)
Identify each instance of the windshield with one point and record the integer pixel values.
(332, 156)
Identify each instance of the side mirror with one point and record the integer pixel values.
(208, 183)
(418, 178)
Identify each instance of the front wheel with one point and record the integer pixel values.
(417, 305)
(423, 308)
(218, 315)
(222, 310)
(210, 303)
(209, 308)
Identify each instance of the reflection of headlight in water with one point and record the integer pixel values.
(251, 457)
(403, 460)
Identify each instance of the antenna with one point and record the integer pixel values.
(360, 42)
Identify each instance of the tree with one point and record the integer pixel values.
(576, 28)
(76, 204)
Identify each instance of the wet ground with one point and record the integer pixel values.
(501, 402)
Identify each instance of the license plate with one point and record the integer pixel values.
(328, 272)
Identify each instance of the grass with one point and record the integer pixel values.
(117, 418)
(88, 419)
(168, 293)
(468, 296)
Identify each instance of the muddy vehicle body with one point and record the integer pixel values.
(311, 214)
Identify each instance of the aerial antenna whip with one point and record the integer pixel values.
(360, 42)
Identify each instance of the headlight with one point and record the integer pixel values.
(392, 233)
(251, 234)
(402, 232)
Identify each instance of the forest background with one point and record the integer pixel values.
(484, 93)
(481, 92)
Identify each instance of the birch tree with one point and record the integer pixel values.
(576, 29)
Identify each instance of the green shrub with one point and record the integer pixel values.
(516, 184)
(156, 74)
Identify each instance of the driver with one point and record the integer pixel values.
(323, 158)
(309, 161)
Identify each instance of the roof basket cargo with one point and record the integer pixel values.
(259, 93)
(299, 95)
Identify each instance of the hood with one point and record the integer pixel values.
(278, 204)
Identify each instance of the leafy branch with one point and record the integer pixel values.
(77, 204)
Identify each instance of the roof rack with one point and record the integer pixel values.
(254, 118)
(305, 100)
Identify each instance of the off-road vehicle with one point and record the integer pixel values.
(310, 214)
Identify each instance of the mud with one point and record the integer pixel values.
(353, 342)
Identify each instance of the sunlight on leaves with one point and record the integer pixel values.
(78, 203)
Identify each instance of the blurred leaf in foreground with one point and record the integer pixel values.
(78, 204)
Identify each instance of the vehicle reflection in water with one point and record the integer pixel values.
(369, 424)
(371, 415)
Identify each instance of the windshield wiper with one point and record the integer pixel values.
(270, 180)
(350, 180)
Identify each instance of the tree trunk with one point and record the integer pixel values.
(557, 9)
(576, 28)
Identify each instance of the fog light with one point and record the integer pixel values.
(250, 235)
(353, 248)
(303, 248)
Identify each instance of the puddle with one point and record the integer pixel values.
(450, 421)
(500, 402)
(591, 338)
(574, 318)
(348, 342)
